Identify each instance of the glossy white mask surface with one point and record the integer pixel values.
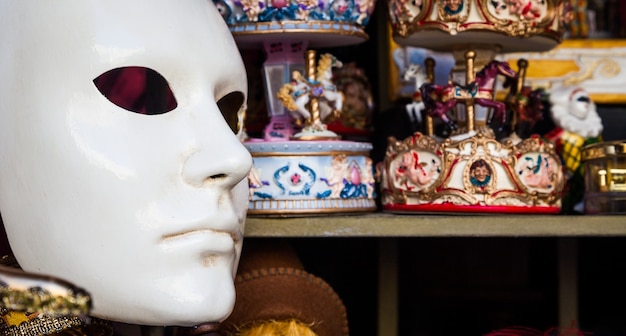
(146, 212)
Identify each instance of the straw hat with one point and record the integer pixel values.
(272, 285)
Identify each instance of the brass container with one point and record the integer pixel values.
(605, 177)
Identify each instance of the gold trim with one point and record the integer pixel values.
(403, 26)
(608, 98)
(522, 27)
(315, 138)
(604, 150)
(309, 212)
(417, 142)
(311, 206)
(283, 154)
(592, 43)
(313, 27)
(598, 98)
(460, 17)
(397, 13)
(547, 68)
(502, 158)
(608, 68)
(455, 24)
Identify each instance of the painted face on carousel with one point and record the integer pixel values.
(121, 170)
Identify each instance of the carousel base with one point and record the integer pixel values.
(478, 174)
(293, 178)
(450, 208)
(326, 34)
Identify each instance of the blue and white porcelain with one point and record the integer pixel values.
(310, 177)
(321, 22)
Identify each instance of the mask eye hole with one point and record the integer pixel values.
(137, 89)
(230, 105)
(583, 99)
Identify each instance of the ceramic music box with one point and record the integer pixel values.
(301, 167)
(473, 152)
(326, 23)
(478, 174)
(310, 178)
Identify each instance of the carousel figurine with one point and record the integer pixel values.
(483, 161)
(416, 108)
(356, 117)
(301, 166)
(526, 105)
(313, 98)
(439, 100)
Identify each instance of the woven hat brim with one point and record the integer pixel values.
(282, 294)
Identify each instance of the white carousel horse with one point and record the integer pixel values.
(296, 96)
(415, 107)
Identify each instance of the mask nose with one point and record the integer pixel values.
(221, 163)
(218, 158)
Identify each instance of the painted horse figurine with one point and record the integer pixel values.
(296, 95)
(435, 106)
(528, 107)
(440, 99)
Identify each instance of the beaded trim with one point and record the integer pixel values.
(53, 313)
(42, 326)
(74, 301)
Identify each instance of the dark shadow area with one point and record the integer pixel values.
(602, 294)
(471, 286)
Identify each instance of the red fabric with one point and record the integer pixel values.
(525, 331)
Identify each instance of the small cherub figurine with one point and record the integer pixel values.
(416, 172)
(336, 179)
(540, 173)
(365, 9)
(252, 8)
(305, 7)
(525, 9)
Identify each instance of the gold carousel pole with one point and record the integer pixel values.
(311, 75)
(430, 78)
(470, 56)
(522, 66)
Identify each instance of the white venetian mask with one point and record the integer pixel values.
(145, 211)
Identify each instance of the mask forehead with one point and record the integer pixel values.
(48, 41)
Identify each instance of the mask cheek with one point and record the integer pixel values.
(240, 199)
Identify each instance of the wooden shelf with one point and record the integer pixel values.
(394, 225)
(390, 227)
